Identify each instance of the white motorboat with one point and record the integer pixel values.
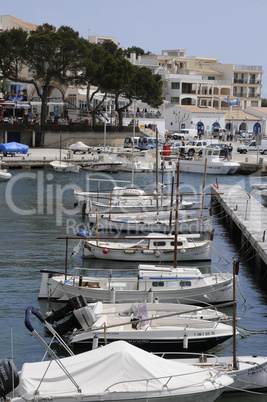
(152, 248)
(172, 311)
(139, 162)
(65, 167)
(260, 189)
(105, 162)
(4, 174)
(214, 164)
(169, 285)
(148, 331)
(250, 373)
(116, 372)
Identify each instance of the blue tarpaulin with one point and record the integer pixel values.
(14, 147)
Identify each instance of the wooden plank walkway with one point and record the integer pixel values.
(247, 215)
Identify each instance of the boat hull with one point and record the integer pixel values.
(194, 253)
(159, 344)
(192, 166)
(57, 288)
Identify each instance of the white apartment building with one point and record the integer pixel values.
(203, 81)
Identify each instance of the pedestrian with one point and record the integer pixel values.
(230, 150)
(225, 152)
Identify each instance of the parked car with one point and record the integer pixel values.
(175, 145)
(192, 147)
(245, 134)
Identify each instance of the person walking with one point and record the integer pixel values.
(225, 153)
(230, 150)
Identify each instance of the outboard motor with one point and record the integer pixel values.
(9, 377)
(74, 303)
(81, 318)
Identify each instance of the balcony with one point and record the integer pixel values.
(254, 82)
(240, 81)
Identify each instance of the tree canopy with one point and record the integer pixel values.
(59, 56)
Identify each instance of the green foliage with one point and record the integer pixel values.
(13, 45)
(135, 49)
(264, 102)
(61, 56)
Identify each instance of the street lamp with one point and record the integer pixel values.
(233, 126)
(247, 124)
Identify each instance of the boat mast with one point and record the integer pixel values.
(203, 188)
(235, 273)
(176, 216)
(132, 183)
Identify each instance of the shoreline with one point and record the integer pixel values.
(40, 158)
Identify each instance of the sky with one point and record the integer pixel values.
(233, 31)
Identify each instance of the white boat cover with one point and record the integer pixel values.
(116, 368)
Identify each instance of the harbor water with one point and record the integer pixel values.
(37, 207)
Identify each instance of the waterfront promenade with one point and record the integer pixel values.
(41, 158)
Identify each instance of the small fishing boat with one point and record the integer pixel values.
(152, 248)
(156, 225)
(65, 167)
(214, 164)
(115, 372)
(167, 284)
(4, 174)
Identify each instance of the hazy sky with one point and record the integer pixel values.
(233, 31)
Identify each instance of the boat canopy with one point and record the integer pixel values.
(117, 367)
(14, 147)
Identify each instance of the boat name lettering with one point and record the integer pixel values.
(257, 369)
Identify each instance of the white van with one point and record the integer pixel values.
(149, 143)
(128, 142)
(252, 146)
(183, 134)
(189, 133)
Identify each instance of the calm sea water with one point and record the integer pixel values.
(37, 207)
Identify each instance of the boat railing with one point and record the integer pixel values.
(167, 378)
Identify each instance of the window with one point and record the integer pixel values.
(175, 85)
(211, 78)
(179, 243)
(72, 100)
(175, 99)
(157, 284)
(83, 105)
(185, 283)
(159, 243)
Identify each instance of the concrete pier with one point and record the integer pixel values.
(247, 220)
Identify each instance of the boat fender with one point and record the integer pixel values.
(9, 377)
(157, 253)
(32, 310)
(105, 251)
